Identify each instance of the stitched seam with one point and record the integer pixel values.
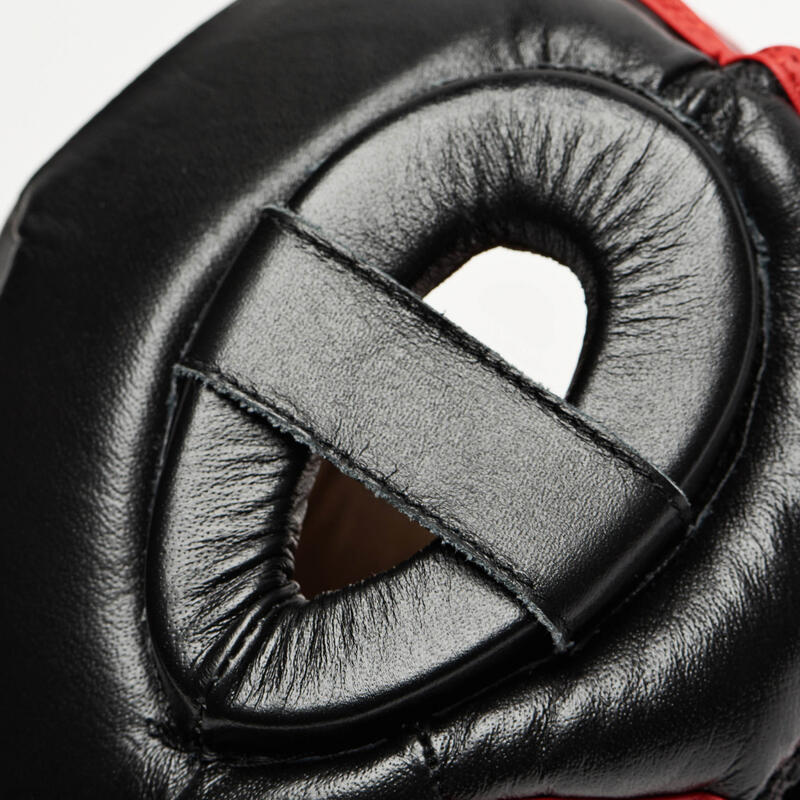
(759, 367)
(430, 760)
(774, 57)
(533, 70)
(550, 404)
(161, 462)
(197, 726)
(231, 387)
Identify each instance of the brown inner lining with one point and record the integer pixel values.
(349, 534)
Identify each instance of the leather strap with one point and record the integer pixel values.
(356, 367)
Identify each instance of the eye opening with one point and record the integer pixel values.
(530, 309)
(527, 307)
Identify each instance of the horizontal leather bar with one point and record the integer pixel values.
(552, 507)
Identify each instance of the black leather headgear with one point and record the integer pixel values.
(218, 281)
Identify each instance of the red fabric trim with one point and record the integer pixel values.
(784, 61)
(689, 26)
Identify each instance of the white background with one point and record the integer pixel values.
(62, 60)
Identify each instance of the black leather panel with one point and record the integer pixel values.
(678, 254)
(430, 419)
(301, 674)
(110, 258)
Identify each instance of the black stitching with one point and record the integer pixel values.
(197, 726)
(736, 442)
(430, 760)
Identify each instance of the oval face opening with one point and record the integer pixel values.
(529, 309)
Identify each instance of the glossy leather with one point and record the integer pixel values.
(429, 419)
(118, 248)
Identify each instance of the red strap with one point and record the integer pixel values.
(784, 61)
(689, 26)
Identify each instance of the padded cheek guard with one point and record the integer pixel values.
(218, 281)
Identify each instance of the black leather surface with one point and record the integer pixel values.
(350, 364)
(562, 163)
(118, 246)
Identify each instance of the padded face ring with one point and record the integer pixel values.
(218, 283)
(554, 161)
